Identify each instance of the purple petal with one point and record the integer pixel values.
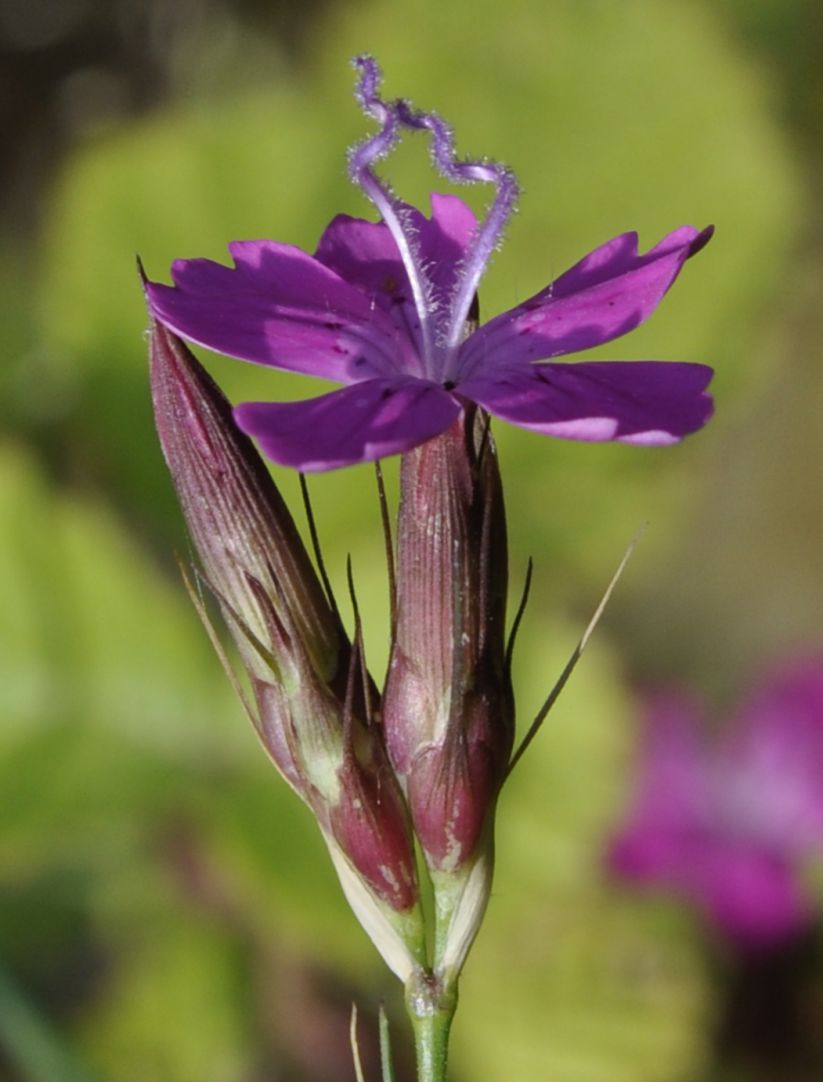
(365, 255)
(445, 239)
(356, 424)
(674, 763)
(683, 833)
(603, 296)
(773, 750)
(279, 306)
(750, 895)
(668, 813)
(643, 402)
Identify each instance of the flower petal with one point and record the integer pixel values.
(771, 759)
(751, 895)
(643, 402)
(671, 795)
(603, 296)
(278, 306)
(356, 424)
(445, 239)
(365, 254)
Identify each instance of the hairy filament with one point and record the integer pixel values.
(361, 159)
(462, 171)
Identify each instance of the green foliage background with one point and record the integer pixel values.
(162, 897)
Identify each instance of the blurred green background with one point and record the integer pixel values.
(166, 909)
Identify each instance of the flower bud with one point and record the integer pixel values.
(448, 707)
(304, 673)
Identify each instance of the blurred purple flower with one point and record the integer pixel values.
(729, 821)
(390, 309)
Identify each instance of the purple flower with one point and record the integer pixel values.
(389, 308)
(729, 822)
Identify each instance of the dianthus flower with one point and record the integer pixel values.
(729, 822)
(389, 308)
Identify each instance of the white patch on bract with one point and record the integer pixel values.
(468, 913)
(454, 849)
(321, 764)
(390, 877)
(372, 916)
(440, 726)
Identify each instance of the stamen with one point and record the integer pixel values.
(361, 159)
(462, 171)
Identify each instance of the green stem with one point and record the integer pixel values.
(431, 1006)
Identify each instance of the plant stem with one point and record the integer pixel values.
(431, 1006)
